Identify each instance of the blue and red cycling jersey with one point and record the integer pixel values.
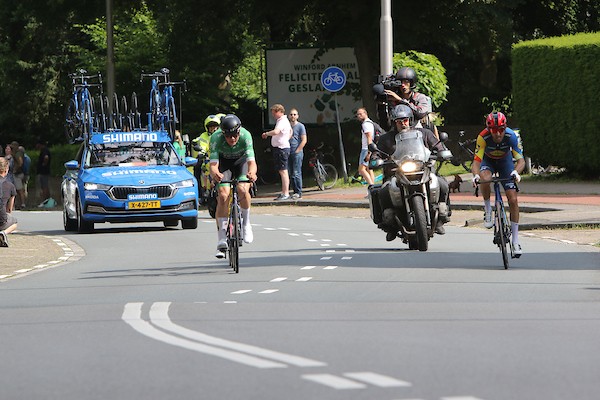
(486, 147)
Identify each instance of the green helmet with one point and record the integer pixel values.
(212, 120)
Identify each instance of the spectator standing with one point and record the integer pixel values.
(8, 154)
(43, 171)
(8, 223)
(297, 143)
(179, 145)
(26, 173)
(367, 134)
(19, 175)
(280, 140)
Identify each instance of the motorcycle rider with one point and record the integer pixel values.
(402, 118)
(200, 150)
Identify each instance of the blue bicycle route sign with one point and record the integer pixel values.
(333, 79)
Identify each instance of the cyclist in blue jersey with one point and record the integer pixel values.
(497, 146)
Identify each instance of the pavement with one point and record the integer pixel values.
(543, 205)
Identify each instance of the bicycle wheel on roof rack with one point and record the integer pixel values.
(124, 116)
(171, 119)
(87, 125)
(71, 122)
(135, 116)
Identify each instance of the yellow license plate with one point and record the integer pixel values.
(141, 205)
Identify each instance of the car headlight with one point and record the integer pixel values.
(95, 186)
(184, 184)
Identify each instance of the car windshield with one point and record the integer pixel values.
(131, 154)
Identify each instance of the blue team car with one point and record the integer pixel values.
(129, 177)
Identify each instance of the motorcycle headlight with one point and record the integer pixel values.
(409, 166)
(95, 186)
(184, 184)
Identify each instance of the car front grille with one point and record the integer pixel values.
(122, 192)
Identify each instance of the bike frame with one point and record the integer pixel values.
(162, 102)
(234, 224)
(502, 227)
(83, 103)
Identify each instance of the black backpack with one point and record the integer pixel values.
(378, 131)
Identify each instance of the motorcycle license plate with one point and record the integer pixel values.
(142, 205)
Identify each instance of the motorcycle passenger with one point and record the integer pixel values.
(200, 150)
(230, 145)
(497, 146)
(402, 117)
(420, 105)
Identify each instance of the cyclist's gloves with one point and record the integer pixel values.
(476, 179)
(516, 176)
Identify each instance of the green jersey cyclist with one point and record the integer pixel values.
(232, 155)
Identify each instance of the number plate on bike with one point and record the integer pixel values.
(142, 201)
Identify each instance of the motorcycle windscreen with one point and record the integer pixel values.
(410, 146)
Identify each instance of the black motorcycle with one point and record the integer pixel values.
(407, 205)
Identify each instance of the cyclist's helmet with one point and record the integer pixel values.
(401, 111)
(230, 125)
(496, 121)
(409, 74)
(212, 120)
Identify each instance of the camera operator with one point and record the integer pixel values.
(400, 90)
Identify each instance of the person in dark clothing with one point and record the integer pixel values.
(402, 117)
(43, 170)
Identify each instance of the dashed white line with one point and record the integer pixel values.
(346, 258)
(326, 258)
(269, 291)
(330, 267)
(309, 267)
(333, 381)
(241, 291)
(304, 279)
(377, 379)
(280, 279)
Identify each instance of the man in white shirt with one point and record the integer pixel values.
(280, 140)
(367, 133)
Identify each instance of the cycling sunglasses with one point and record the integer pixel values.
(231, 134)
(500, 129)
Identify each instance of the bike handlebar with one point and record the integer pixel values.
(495, 180)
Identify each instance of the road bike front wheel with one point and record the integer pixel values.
(233, 239)
(331, 176)
(501, 234)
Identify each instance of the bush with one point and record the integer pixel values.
(555, 98)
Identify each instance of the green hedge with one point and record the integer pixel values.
(556, 99)
(60, 154)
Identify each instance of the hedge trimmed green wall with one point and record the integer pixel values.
(556, 99)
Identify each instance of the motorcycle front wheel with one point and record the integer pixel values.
(418, 208)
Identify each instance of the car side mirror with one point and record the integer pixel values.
(190, 161)
(72, 165)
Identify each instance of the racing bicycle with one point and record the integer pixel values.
(464, 154)
(234, 225)
(502, 229)
(79, 114)
(325, 174)
(163, 114)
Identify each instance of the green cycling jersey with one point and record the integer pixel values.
(219, 148)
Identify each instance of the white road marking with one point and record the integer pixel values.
(293, 234)
(346, 258)
(270, 229)
(309, 267)
(342, 244)
(20, 271)
(132, 316)
(269, 291)
(230, 302)
(333, 381)
(311, 240)
(460, 398)
(325, 240)
(330, 267)
(281, 279)
(307, 234)
(329, 251)
(325, 245)
(3, 276)
(326, 258)
(304, 279)
(377, 379)
(284, 229)
(241, 291)
(349, 250)
(159, 315)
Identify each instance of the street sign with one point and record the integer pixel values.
(333, 79)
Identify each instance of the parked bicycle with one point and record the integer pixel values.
(463, 155)
(502, 230)
(325, 174)
(79, 114)
(163, 113)
(234, 225)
